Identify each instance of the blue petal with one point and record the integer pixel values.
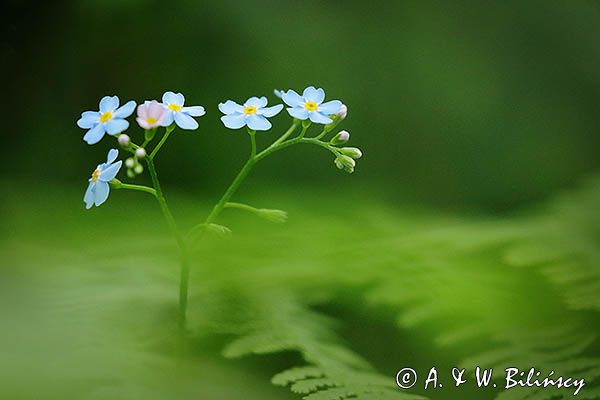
(331, 107)
(94, 135)
(194, 111)
(115, 126)
(319, 118)
(125, 110)
(270, 111)
(173, 98)
(88, 119)
(292, 98)
(112, 156)
(88, 197)
(312, 94)
(298, 112)
(230, 107)
(184, 121)
(101, 192)
(234, 121)
(168, 118)
(109, 104)
(110, 172)
(256, 102)
(258, 123)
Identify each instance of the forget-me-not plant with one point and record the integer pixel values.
(253, 114)
(180, 114)
(98, 188)
(310, 105)
(110, 119)
(305, 109)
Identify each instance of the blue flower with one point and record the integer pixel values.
(180, 114)
(98, 189)
(110, 119)
(310, 105)
(253, 113)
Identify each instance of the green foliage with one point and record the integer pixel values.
(309, 302)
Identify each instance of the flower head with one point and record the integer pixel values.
(98, 188)
(253, 114)
(110, 119)
(151, 114)
(310, 105)
(180, 114)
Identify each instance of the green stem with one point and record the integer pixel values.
(287, 133)
(185, 267)
(168, 131)
(139, 188)
(236, 182)
(299, 139)
(241, 206)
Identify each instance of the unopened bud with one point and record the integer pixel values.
(346, 163)
(124, 140)
(352, 152)
(342, 112)
(130, 162)
(341, 137)
(140, 153)
(277, 216)
(130, 173)
(138, 169)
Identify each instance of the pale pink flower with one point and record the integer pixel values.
(151, 114)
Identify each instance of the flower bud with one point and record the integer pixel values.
(277, 216)
(343, 111)
(124, 140)
(341, 137)
(138, 169)
(130, 162)
(140, 153)
(130, 173)
(346, 163)
(352, 152)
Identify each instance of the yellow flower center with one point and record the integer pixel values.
(174, 107)
(96, 175)
(249, 110)
(151, 121)
(311, 106)
(105, 117)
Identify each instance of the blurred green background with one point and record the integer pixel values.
(468, 235)
(462, 104)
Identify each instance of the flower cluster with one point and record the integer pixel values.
(305, 109)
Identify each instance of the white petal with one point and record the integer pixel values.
(258, 123)
(230, 107)
(101, 192)
(292, 98)
(115, 126)
(109, 173)
(184, 121)
(109, 104)
(125, 110)
(95, 134)
(270, 111)
(256, 102)
(194, 111)
(234, 121)
(88, 119)
(298, 112)
(112, 156)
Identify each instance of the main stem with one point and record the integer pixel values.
(185, 267)
(236, 182)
